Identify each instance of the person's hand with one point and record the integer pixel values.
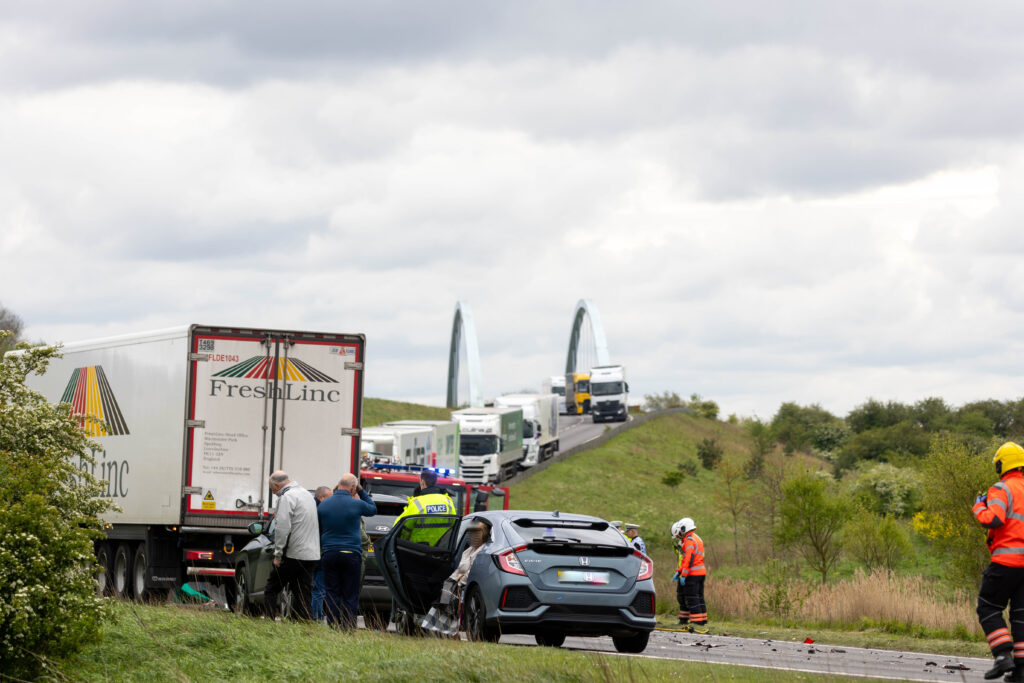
(277, 561)
(676, 577)
(982, 498)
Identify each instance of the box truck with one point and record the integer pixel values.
(443, 451)
(540, 424)
(398, 445)
(577, 393)
(609, 393)
(194, 420)
(490, 443)
(556, 385)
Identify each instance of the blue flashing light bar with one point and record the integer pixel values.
(414, 468)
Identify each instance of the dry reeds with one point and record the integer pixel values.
(877, 597)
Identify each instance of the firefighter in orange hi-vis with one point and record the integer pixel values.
(1001, 511)
(689, 577)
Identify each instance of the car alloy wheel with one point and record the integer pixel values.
(476, 622)
(241, 604)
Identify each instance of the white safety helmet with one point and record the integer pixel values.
(683, 527)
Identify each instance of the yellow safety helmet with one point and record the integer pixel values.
(1010, 456)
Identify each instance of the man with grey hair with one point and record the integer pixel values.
(296, 546)
(341, 544)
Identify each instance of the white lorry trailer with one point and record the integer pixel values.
(443, 449)
(556, 385)
(398, 445)
(609, 393)
(490, 443)
(194, 420)
(540, 424)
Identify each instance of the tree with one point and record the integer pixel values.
(765, 500)
(812, 515)
(956, 470)
(733, 496)
(9, 322)
(874, 414)
(761, 444)
(710, 453)
(796, 427)
(887, 490)
(876, 542)
(663, 401)
(705, 408)
(49, 517)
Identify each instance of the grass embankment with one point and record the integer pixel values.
(378, 410)
(144, 643)
(622, 480)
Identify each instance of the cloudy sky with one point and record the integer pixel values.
(803, 201)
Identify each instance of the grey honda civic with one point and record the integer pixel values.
(549, 574)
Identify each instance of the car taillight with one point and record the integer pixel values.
(198, 554)
(509, 561)
(646, 566)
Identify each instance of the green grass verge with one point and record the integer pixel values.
(379, 410)
(171, 643)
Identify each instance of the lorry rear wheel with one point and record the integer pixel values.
(103, 556)
(139, 565)
(122, 571)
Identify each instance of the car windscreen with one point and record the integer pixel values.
(407, 489)
(583, 386)
(605, 388)
(478, 444)
(538, 530)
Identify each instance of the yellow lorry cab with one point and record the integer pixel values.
(577, 393)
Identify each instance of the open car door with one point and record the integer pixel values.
(416, 557)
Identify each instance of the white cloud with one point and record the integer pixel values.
(764, 209)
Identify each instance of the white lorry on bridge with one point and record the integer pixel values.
(540, 424)
(490, 443)
(556, 385)
(398, 445)
(443, 447)
(609, 393)
(190, 422)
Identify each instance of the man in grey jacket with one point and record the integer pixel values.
(296, 546)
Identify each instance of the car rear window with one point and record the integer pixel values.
(389, 509)
(536, 529)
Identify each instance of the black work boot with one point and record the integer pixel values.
(1017, 675)
(1003, 664)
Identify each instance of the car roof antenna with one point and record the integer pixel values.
(555, 513)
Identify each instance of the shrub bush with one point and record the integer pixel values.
(710, 453)
(887, 490)
(876, 542)
(49, 517)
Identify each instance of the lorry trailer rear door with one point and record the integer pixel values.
(251, 392)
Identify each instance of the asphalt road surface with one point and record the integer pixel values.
(787, 656)
(574, 430)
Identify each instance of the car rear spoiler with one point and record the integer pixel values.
(554, 523)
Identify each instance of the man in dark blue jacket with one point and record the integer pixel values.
(341, 548)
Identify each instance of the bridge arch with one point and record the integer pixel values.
(586, 310)
(464, 330)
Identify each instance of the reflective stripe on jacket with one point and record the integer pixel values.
(691, 558)
(1002, 513)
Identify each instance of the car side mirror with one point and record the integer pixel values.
(627, 387)
(256, 528)
(481, 501)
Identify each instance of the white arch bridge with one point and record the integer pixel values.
(588, 347)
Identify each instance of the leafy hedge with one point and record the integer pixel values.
(49, 517)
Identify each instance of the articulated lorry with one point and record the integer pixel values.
(556, 385)
(399, 445)
(577, 393)
(443, 451)
(540, 424)
(193, 422)
(490, 443)
(609, 393)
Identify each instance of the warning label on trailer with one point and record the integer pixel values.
(208, 502)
